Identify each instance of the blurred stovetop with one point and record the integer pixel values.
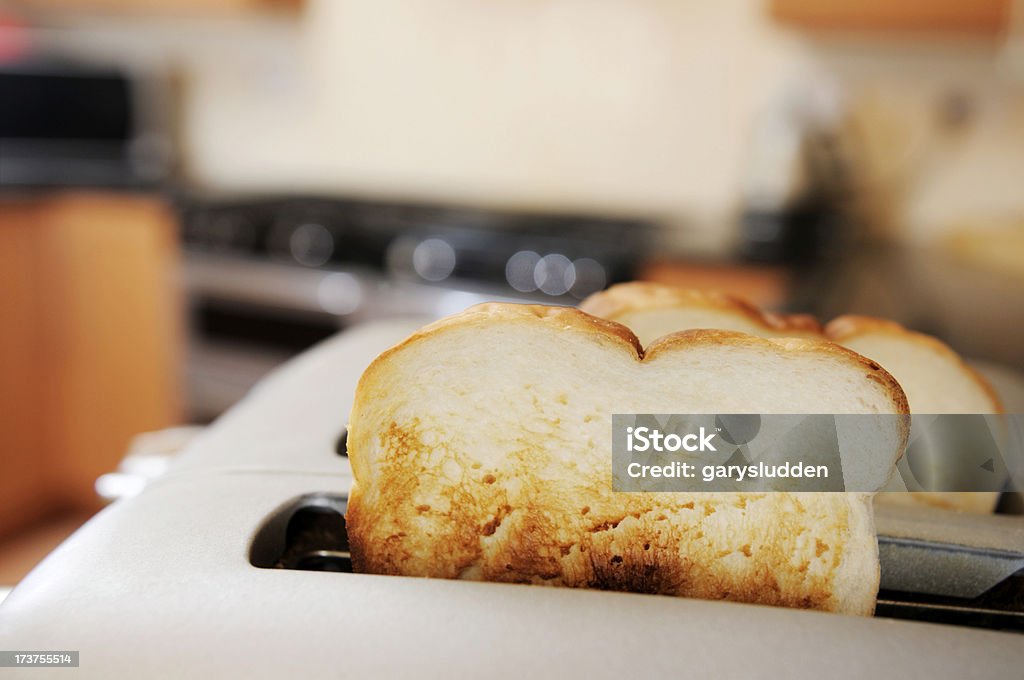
(267, 278)
(571, 255)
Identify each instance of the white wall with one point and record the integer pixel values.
(641, 106)
(626, 105)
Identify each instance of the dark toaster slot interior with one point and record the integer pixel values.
(306, 534)
(1001, 608)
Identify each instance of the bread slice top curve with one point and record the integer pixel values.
(935, 378)
(652, 310)
(481, 449)
(496, 356)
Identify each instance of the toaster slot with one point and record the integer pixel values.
(1002, 608)
(945, 566)
(306, 534)
(937, 566)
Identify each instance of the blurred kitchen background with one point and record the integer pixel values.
(191, 191)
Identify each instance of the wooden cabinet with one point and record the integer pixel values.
(90, 342)
(182, 8)
(965, 16)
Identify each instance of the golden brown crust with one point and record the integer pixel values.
(805, 323)
(638, 296)
(566, 317)
(618, 334)
(633, 544)
(849, 326)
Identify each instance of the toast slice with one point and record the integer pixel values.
(936, 380)
(481, 450)
(652, 310)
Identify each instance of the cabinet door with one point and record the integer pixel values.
(25, 460)
(95, 357)
(971, 16)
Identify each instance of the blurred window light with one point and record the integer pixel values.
(554, 274)
(519, 271)
(117, 485)
(433, 259)
(339, 293)
(590, 277)
(311, 244)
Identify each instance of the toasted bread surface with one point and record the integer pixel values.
(481, 449)
(936, 380)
